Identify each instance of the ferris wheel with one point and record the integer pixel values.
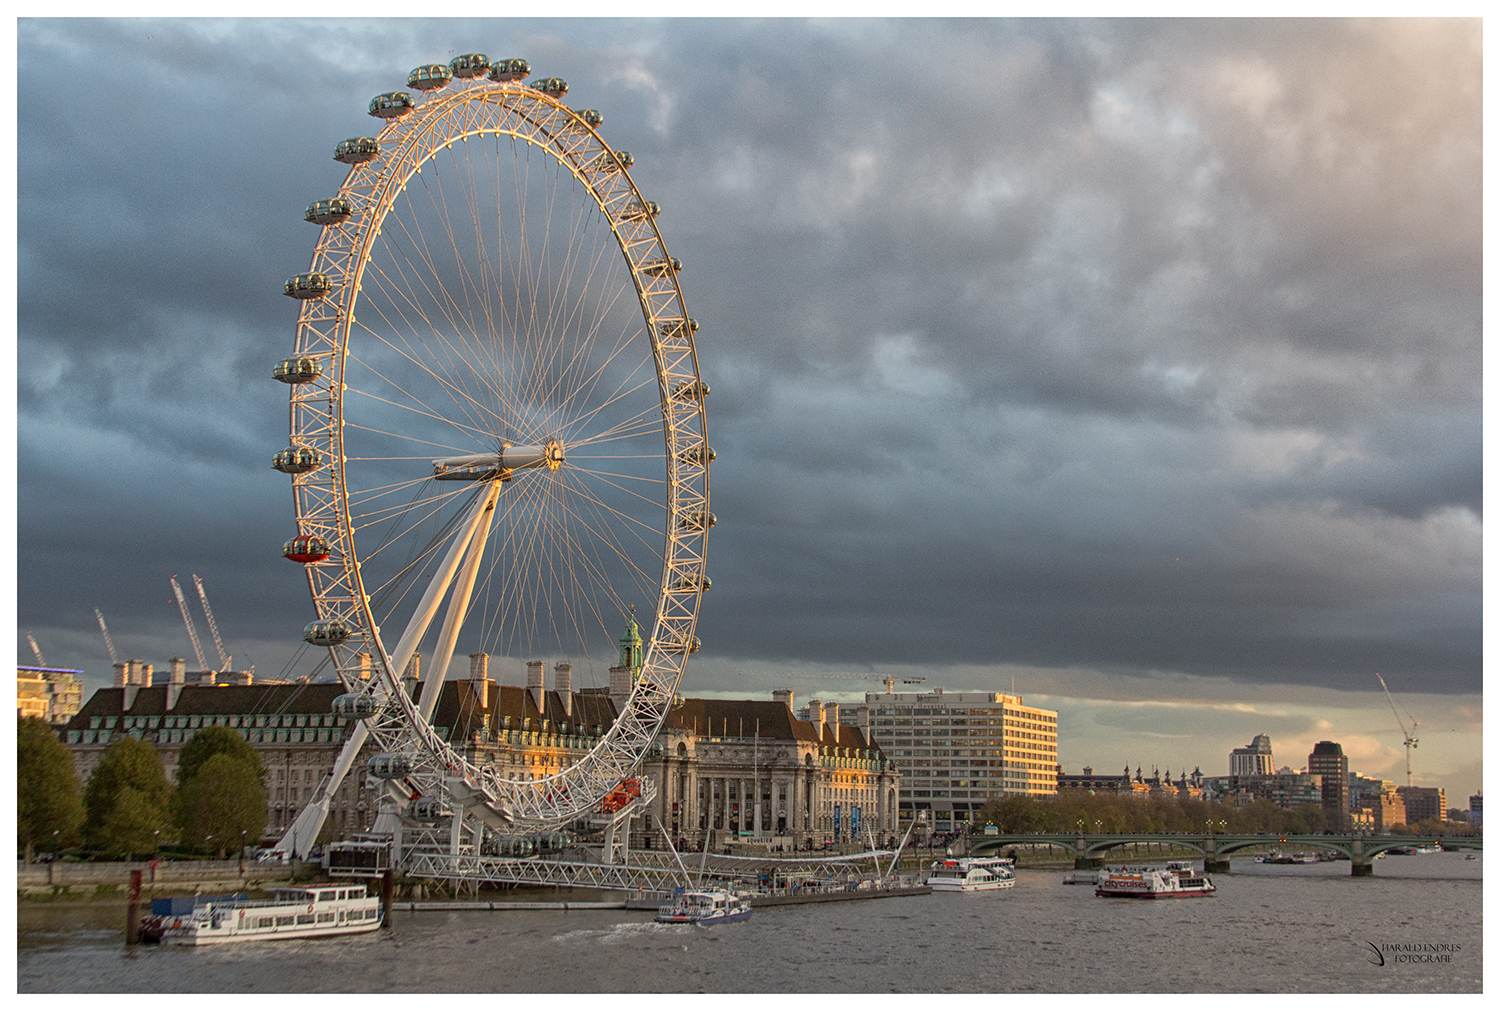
(498, 436)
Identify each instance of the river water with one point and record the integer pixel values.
(1269, 929)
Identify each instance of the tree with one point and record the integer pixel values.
(211, 741)
(128, 800)
(223, 804)
(49, 810)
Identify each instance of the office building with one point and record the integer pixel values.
(957, 750)
(1423, 803)
(1254, 759)
(1329, 762)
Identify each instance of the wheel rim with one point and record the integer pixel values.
(498, 297)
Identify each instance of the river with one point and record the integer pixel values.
(1269, 929)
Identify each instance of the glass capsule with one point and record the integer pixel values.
(430, 77)
(656, 268)
(334, 211)
(297, 460)
(356, 150)
(469, 65)
(391, 105)
(305, 549)
(355, 705)
(510, 70)
(308, 286)
(331, 632)
(297, 370)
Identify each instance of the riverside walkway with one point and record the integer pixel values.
(1089, 849)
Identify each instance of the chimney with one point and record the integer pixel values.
(534, 685)
(144, 675)
(412, 675)
(127, 681)
(782, 695)
(365, 667)
(815, 712)
(831, 713)
(479, 677)
(175, 680)
(619, 686)
(864, 723)
(562, 682)
(122, 672)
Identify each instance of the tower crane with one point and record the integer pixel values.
(188, 621)
(36, 649)
(1410, 741)
(109, 643)
(212, 628)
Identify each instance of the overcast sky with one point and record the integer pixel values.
(1139, 360)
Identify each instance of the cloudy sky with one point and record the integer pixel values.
(1136, 363)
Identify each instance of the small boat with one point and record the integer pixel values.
(705, 908)
(1080, 879)
(1177, 880)
(966, 874)
(301, 912)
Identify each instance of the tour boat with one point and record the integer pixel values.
(966, 874)
(301, 912)
(1177, 880)
(705, 908)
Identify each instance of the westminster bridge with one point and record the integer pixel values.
(1216, 848)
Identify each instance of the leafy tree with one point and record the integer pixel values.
(128, 800)
(212, 741)
(223, 803)
(47, 796)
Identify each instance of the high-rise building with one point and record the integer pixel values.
(1254, 759)
(1329, 761)
(51, 693)
(1476, 809)
(1423, 802)
(957, 750)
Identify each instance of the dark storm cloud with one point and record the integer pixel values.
(1124, 346)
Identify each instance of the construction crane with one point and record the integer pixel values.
(188, 621)
(1410, 741)
(36, 649)
(109, 643)
(212, 628)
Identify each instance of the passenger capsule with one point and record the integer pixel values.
(305, 549)
(656, 268)
(677, 327)
(356, 150)
(699, 454)
(430, 77)
(510, 70)
(593, 117)
(297, 370)
(430, 809)
(554, 86)
(612, 161)
(391, 105)
(308, 286)
(693, 645)
(331, 632)
(329, 212)
(693, 389)
(637, 211)
(355, 705)
(469, 65)
(693, 583)
(385, 766)
(697, 521)
(297, 460)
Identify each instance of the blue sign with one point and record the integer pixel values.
(835, 819)
(854, 821)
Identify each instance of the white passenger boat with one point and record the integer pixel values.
(966, 874)
(301, 912)
(1177, 880)
(705, 908)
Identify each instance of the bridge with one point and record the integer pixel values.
(1089, 849)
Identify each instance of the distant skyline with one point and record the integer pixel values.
(1138, 359)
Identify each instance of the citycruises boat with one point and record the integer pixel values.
(966, 874)
(705, 908)
(302, 912)
(1177, 880)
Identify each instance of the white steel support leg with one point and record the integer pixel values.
(458, 606)
(441, 579)
(300, 838)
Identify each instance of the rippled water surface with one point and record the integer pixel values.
(1269, 929)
